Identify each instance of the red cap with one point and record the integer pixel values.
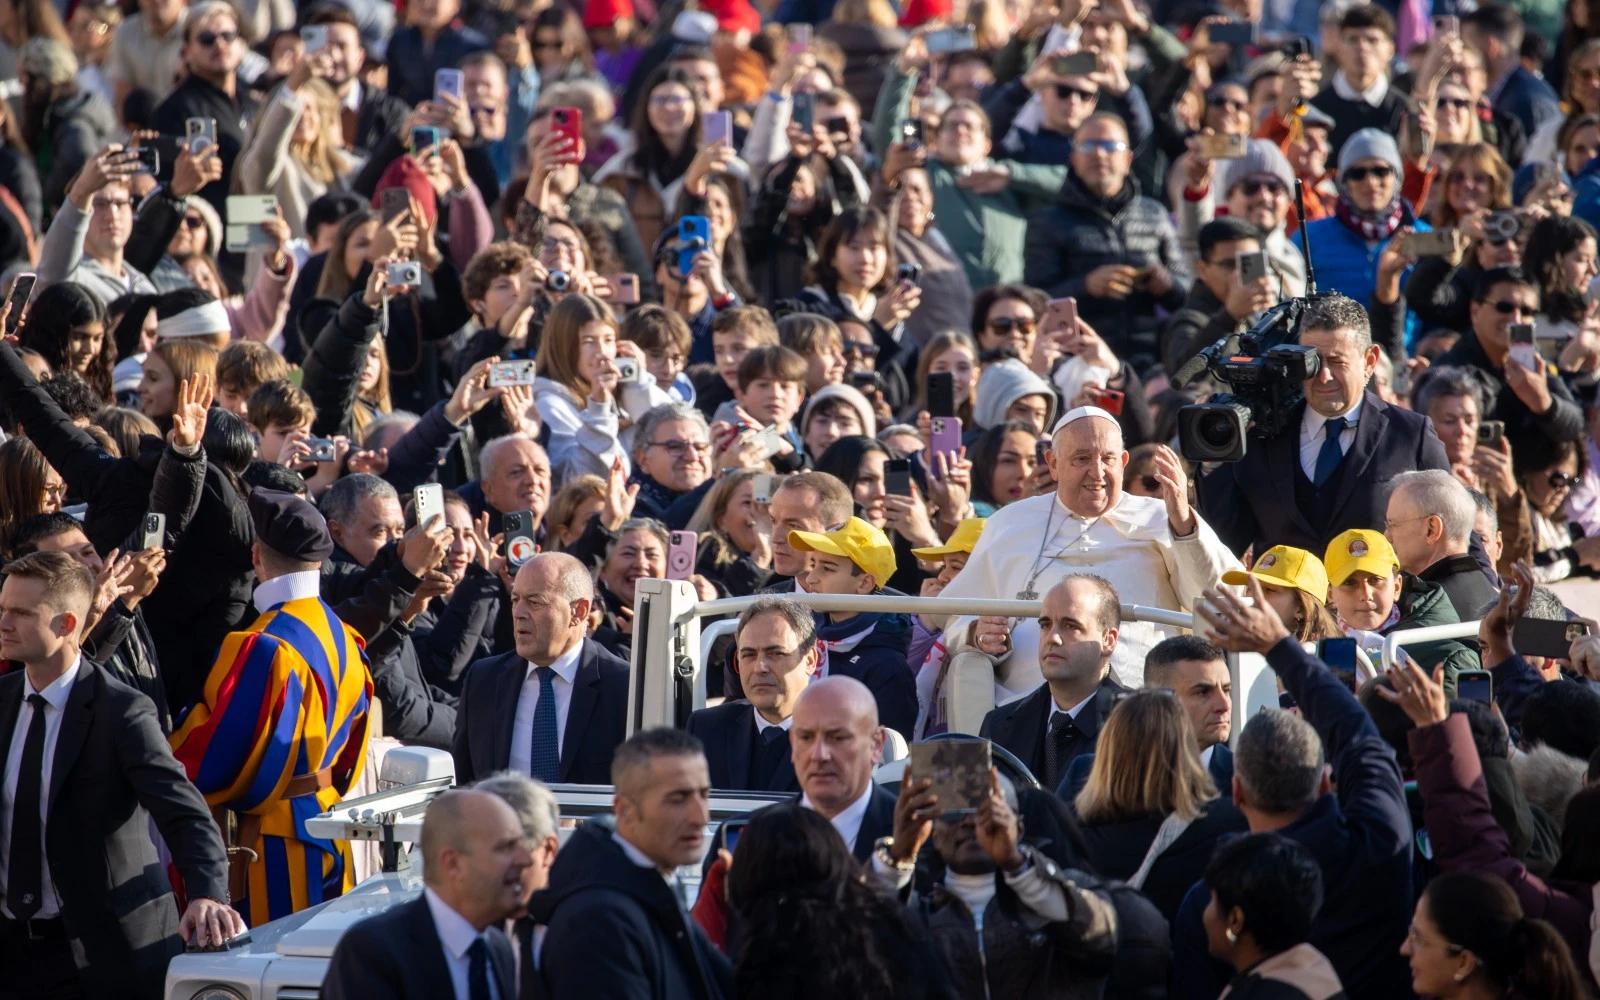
(604, 13)
(733, 15)
(919, 12)
(405, 173)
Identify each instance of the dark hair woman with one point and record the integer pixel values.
(1470, 938)
(790, 212)
(1265, 894)
(854, 278)
(1004, 459)
(67, 326)
(860, 463)
(812, 926)
(648, 173)
(1561, 258)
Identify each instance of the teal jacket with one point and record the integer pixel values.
(986, 231)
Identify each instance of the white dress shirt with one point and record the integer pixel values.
(1071, 713)
(1132, 547)
(457, 935)
(566, 668)
(848, 822)
(55, 695)
(1372, 96)
(286, 588)
(1312, 437)
(762, 725)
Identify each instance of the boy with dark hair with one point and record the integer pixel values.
(243, 368)
(870, 646)
(1360, 94)
(281, 415)
(771, 385)
(665, 338)
(735, 332)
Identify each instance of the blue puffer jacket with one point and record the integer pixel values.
(1346, 263)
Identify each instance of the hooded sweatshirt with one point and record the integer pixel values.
(1003, 384)
(873, 647)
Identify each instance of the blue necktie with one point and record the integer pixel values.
(546, 755)
(478, 970)
(1331, 455)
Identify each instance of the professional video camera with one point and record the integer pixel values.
(1264, 368)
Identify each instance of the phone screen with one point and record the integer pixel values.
(21, 291)
(1340, 656)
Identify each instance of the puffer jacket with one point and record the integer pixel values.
(1019, 954)
(1423, 604)
(1083, 231)
(872, 647)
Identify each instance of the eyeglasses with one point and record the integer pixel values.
(112, 204)
(1252, 188)
(210, 38)
(856, 349)
(1381, 171)
(1099, 146)
(677, 446)
(1065, 91)
(55, 491)
(556, 246)
(1513, 308)
(1232, 104)
(1005, 324)
(1418, 941)
(668, 100)
(1454, 103)
(1561, 481)
(193, 222)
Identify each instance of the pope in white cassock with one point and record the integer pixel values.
(1157, 553)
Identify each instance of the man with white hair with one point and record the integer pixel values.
(1155, 552)
(513, 475)
(1430, 519)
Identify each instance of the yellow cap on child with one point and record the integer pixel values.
(858, 541)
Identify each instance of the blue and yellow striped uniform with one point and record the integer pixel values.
(285, 699)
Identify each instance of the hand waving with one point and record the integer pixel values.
(189, 417)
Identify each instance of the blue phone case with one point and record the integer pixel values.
(692, 227)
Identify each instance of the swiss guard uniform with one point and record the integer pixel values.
(280, 733)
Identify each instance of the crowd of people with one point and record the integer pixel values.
(359, 360)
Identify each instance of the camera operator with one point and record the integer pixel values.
(1303, 489)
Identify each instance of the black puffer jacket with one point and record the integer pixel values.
(1083, 231)
(334, 364)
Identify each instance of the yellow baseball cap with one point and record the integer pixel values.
(1282, 566)
(961, 540)
(1359, 549)
(857, 541)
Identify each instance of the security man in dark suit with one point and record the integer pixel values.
(85, 908)
(446, 943)
(1061, 720)
(556, 708)
(1329, 471)
(747, 742)
(1196, 672)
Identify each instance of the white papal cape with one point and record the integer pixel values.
(1131, 546)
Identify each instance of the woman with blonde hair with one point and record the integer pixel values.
(294, 152)
(572, 506)
(1476, 182)
(577, 387)
(168, 365)
(734, 553)
(1150, 812)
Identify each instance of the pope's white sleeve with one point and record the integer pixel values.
(1197, 562)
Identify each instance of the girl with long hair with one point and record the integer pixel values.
(28, 486)
(734, 553)
(953, 351)
(67, 326)
(853, 278)
(813, 927)
(1561, 257)
(1476, 181)
(1004, 459)
(576, 390)
(294, 152)
(1296, 585)
(167, 366)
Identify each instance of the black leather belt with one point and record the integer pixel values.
(35, 930)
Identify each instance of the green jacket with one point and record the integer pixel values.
(1424, 604)
(986, 231)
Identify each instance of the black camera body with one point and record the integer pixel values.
(1265, 372)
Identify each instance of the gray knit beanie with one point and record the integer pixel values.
(1367, 144)
(1261, 157)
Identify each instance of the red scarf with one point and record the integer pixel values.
(1374, 227)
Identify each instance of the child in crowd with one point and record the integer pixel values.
(242, 369)
(665, 339)
(771, 386)
(927, 649)
(734, 333)
(870, 646)
(281, 414)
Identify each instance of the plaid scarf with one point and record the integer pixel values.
(1374, 227)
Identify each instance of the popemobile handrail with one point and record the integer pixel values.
(926, 605)
(1428, 633)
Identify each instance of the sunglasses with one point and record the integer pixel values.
(1100, 146)
(1454, 103)
(1255, 187)
(209, 38)
(1380, 172)
(1508, 308)
(1005, 324)
(1065, 91)
(193, 222)
(856, 349)
(1226, 102)
(1561, 481)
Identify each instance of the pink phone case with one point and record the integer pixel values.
(681, 555)
(945, 439)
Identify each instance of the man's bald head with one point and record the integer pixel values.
(559, 573)
(550, 601)
(474, 854)
(835, 742)
(447, 823)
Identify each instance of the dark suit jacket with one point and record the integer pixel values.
(1021, 725)
(1077, 774)
(112, 772)
(596, 718)
(729, 734)
(876, 824)
(1252, 500)
(398, 955)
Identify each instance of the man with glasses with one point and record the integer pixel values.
(1064, 102)
(430, 41)
(1107, 245)
(1258, 187)
(1301, 488)
(1533, 403)
(747, 742)
(1429, 521)
(87, 237)
(212, 51)
(672, 463)
(1360, 97)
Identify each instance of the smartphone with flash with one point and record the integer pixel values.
(1523, 351)
(154, 534)
(1061, 316)
(1252, 267)
(427, 500)
(1544, 637)
(718, 128)
(625, 288)
(1475, 685)
(945, 439)
(448, 81)
(520, 542)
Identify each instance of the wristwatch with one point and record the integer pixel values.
(881, 850)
